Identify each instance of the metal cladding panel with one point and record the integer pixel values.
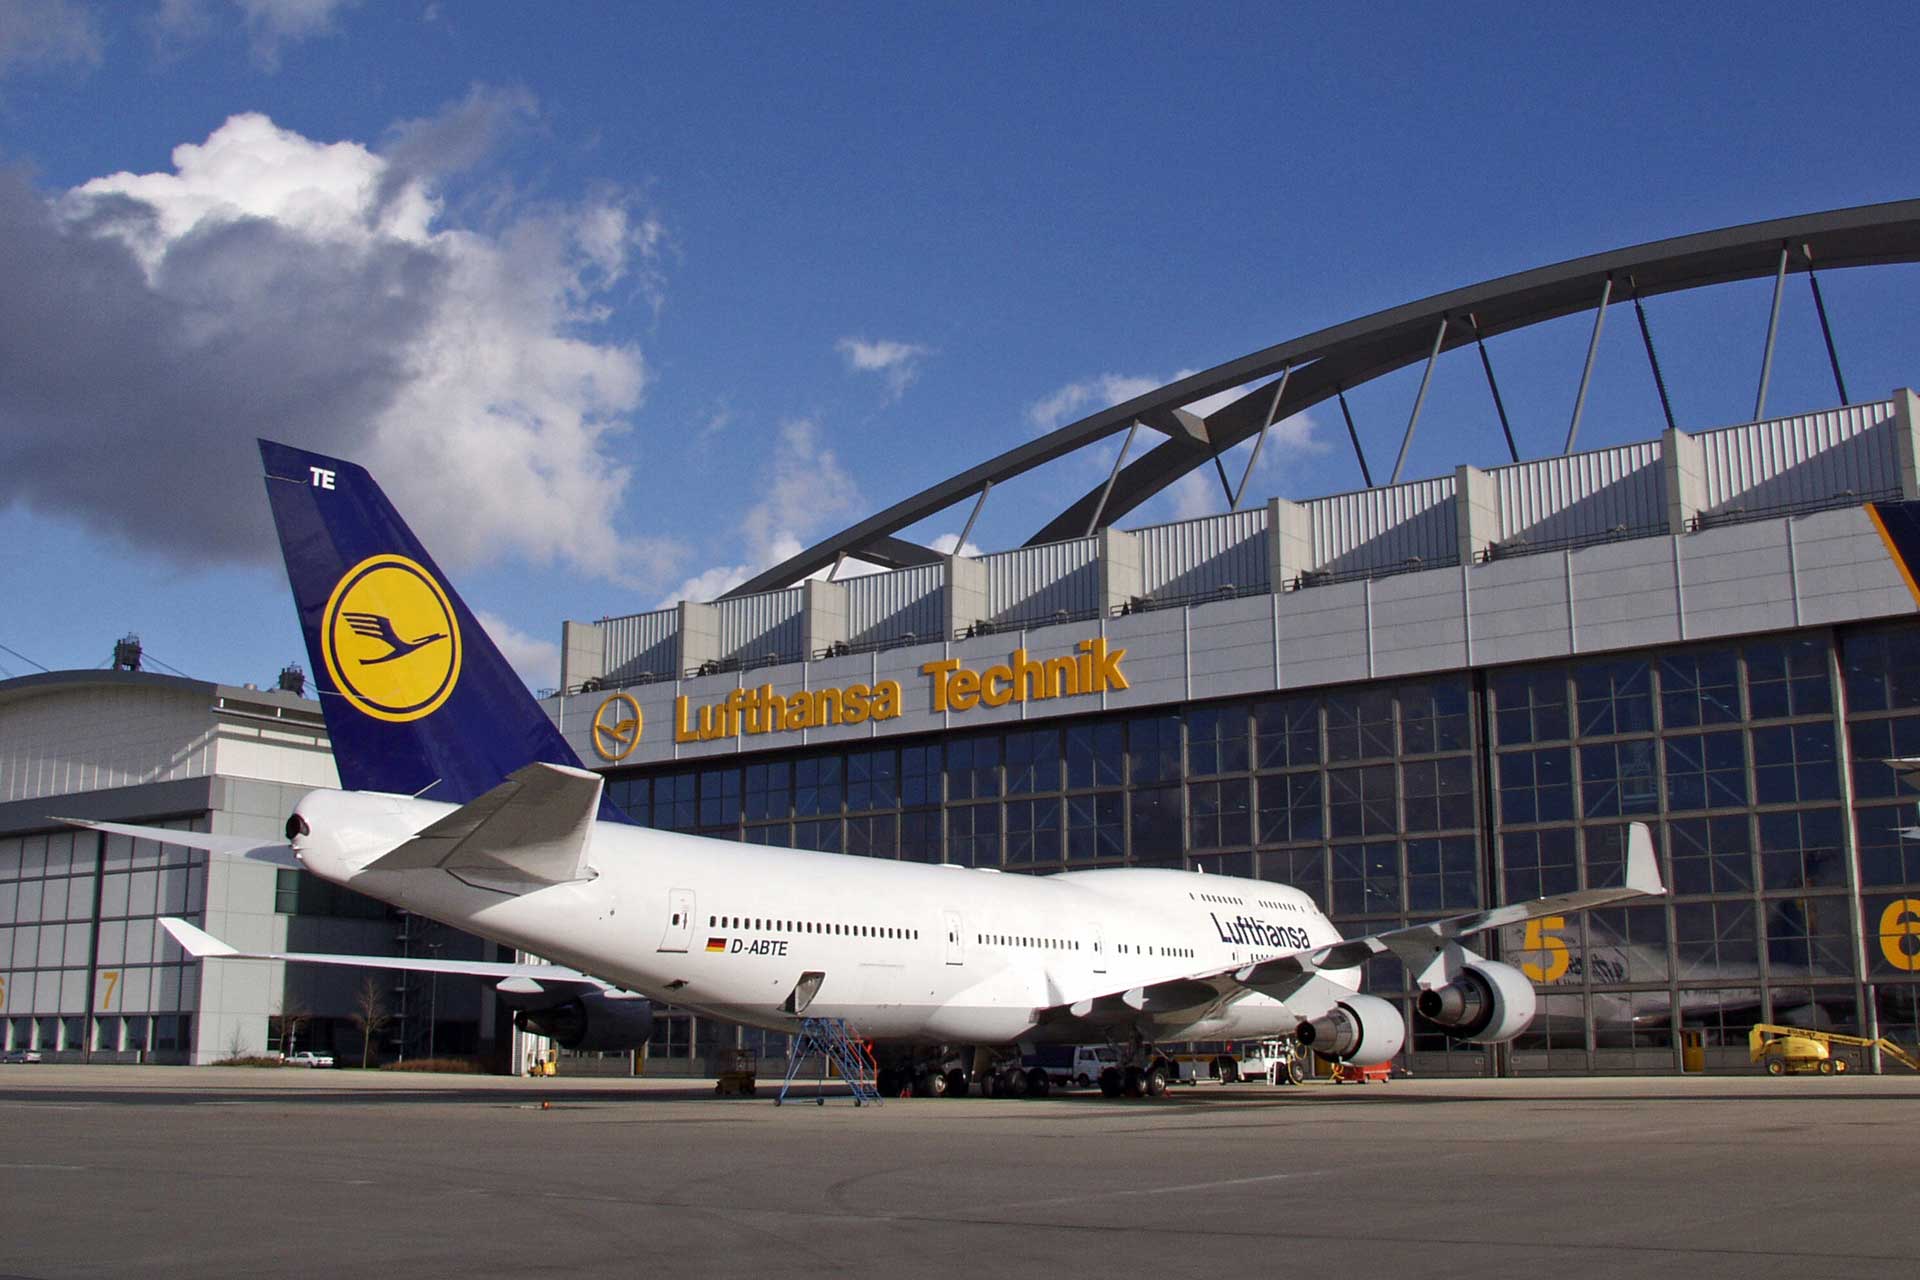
(1156, 661)
(1230, 646)
(1737, 579)
(1583, 495)
(1195, 557)
(1419, 623)
(1385, 528)
(1625, 594)
(642, 644)
(1036, 582)
(1323, 635)
(1843, 570)
(887, 606)
(1786, 461)
(1518, 609)
(766, 625)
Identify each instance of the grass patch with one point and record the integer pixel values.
(447, 1066)
(250, 1060)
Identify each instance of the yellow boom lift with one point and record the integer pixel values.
(1785, 1049)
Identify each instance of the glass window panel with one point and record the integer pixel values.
(1614, 697)
(1216, 740)
(920, 836)
(80, 897)
(1788, 678)
(973, 768)
(1626, 944)
(1153, 749)
(872, 780)
(60, 852)
(1434, 718)
(1809, 937)
(719, 797)
(1882, 670)
(1893, 937)
(1290, 807)
(1889, 840)
(816, 785)
(1618, 778)
(1359, 724)
(1706, 771)
(1096, 755)
(1362, 801)
(1218, 814)
(875, 836)
(1536, 786)
(1033, 762)
(1794, 763)
(1096, 826)
(1439, 793)
(1156, 824)
(1033, 831)
(920, 774)
(1699, 689)
(1304, 869)
(1874, 742)
(973, 835)
(1537, 863)
(1443, 874)
(1366, 879)
(675, 802)
(820, 834)
(1530, 706)
(1801, 849)
(1709, 855)
(1715, 939)
(1287, 733)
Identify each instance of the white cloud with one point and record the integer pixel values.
(271, 24)
(1078, 399)
(47, 33)
(274, 285)
(946, 542)
(804, 491)
(898, 362)
(535, 661)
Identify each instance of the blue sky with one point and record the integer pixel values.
(622, 302)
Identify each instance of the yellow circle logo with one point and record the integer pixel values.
(390, 640)
(616, 727)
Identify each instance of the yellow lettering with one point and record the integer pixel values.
(996, 686)
(1063, 676)
(942, 673)
(682, 727)
(963, 691)
(794, 715)
(829, 705)
(887, 700)
(1900, 933)
(112, 978)
(1542, 937)
(855, 711)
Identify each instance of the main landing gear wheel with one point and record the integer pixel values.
(1134, 1083)
(1155, 1082)
(1112, 1082)
(1038, 1085)
(929, 1084)
(956, 1083)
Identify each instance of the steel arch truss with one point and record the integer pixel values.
(1319, 366)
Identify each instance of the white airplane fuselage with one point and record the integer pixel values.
(905, 951)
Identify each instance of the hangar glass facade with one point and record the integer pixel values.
(1788, 846)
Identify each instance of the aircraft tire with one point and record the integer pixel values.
(1155, 1083)
(956, 1083)
(1112, 1083)
(1134, 1085)
(930, 1084)
(1038, 1083)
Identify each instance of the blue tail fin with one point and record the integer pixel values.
(416, 697)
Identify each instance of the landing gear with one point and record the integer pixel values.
(1039, 1085)
(956, 1081)
(1112, 1082)
(930, 1084)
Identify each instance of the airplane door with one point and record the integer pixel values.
(1099, 951)
(679, 920)
(956, 948)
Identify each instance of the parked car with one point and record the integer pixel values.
(308, 1058)
(20, 1055)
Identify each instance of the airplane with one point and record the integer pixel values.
(460, 801)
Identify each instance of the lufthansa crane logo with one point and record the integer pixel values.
(616, 727)
(390, 640)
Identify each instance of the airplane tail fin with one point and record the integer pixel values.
(417, 699)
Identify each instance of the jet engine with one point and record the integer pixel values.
(594, 1022)
(1486, 1003)
(1362, 1029)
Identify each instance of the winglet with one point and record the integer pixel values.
(1643, 867)
(197, 943)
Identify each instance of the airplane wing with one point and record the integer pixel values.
(249, 848)
(1287, 976)
(202, 945)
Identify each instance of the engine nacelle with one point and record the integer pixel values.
(1486, 1003)
(1362, 1029)
(597, 1022)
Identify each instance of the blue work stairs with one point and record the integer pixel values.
(831, 1040)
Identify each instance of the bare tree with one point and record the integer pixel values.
(294, 1017)
(369, 1014)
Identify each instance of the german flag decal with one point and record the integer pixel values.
(716, 944)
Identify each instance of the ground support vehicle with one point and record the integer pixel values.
(308, 1058)
(1075, 1065)
(1800, 1049)
(737, 1073)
